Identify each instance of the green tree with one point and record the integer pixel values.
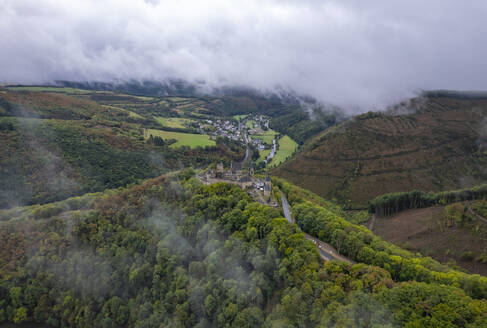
(20, 315)
(16, 296)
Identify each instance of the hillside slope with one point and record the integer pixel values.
(450, 234)
(63, 143)
(429, 144)
(173, 253)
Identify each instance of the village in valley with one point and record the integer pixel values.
(265, 148)
(186, 122)
(248, 129)
(223, 128)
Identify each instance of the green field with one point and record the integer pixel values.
(266, 136)
(134, 114)
(143, 98)
(183, 139)
(131, 114)
(200, 112)
(263, 155)
(287, 147)
(240, 117)
(174, 122)
(249, 124)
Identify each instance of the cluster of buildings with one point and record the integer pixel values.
(245, 178)
(260, 122)
(259, 143)
(224, 128)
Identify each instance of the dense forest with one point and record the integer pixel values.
(361, 245)
(174, 253)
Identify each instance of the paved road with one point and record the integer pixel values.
(327, 252)
(321, 248)
(248, 152)
(273, 151)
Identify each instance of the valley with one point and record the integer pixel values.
(173, 210)
(243, 164)
(102, 139)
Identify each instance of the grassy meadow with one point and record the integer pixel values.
(183, 139)
(287, 147)
(131, 114)
(266, 136)
(263, 155)
(174, 122)
(240, 117)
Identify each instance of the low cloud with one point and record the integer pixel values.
(355, 54)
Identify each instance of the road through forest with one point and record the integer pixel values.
(327, 252)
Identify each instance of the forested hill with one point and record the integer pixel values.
(174, 253)
(429, 143)
(61, 142)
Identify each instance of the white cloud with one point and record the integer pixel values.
(351, 53)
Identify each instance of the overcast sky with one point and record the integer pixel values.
(350, 53)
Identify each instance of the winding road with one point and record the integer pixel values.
(248, 153)
(326, 251)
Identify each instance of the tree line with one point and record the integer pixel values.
(392, 203)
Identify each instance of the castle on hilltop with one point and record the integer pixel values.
(235, 174)
(245, 178)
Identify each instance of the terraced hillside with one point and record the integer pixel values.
(430, 144)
